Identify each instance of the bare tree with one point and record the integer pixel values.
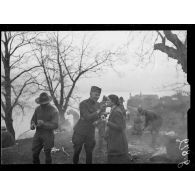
(177, 51)
(63, 63)
(15, 74)
(172, 43)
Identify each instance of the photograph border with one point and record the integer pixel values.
(114, 27)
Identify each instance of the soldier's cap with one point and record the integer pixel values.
(96, 89)
(43, 98)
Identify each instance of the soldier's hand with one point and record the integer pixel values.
(98, 111)
(103, 107)
(105, 113)
(32, 126)
(104, 119)
(95, 123)
(40, 123)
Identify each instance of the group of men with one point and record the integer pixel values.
(45, 120)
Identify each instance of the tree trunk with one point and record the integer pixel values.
(9, 124)
(7, 95)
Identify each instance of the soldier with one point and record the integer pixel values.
(84, 130)
(45, 120)
(153, 122)
(138, 124)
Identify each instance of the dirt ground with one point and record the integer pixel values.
(139, 149)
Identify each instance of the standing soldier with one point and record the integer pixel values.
(153, 123)
(45, 120)
(84, 130)
(138, 124)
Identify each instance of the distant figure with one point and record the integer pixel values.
(75, 116)
(138, 125)
(121, 101)
(128, 116)
(117, 145)
(45, 120)
(7, 138)
(153, 123)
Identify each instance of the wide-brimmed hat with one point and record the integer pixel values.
(43, 98)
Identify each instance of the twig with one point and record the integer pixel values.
(65, 152)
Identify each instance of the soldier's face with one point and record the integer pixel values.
(95, 95)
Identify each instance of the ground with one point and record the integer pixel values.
(139, 150)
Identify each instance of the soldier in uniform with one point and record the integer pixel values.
(84, 130)
(138, 124)
(153, 123)
(45, 120)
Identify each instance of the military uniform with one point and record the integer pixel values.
(84, 130)
(138, 125)
(152, 120)
(44, 136)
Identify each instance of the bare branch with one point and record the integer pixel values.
(3, 105)
(20, 92)
(3, 116)
(23, 73)
(65, 65)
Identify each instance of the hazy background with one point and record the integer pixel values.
(129, 75)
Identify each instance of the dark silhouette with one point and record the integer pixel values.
(45, 120)
(84, 130)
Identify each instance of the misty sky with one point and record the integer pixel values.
(128, 77)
